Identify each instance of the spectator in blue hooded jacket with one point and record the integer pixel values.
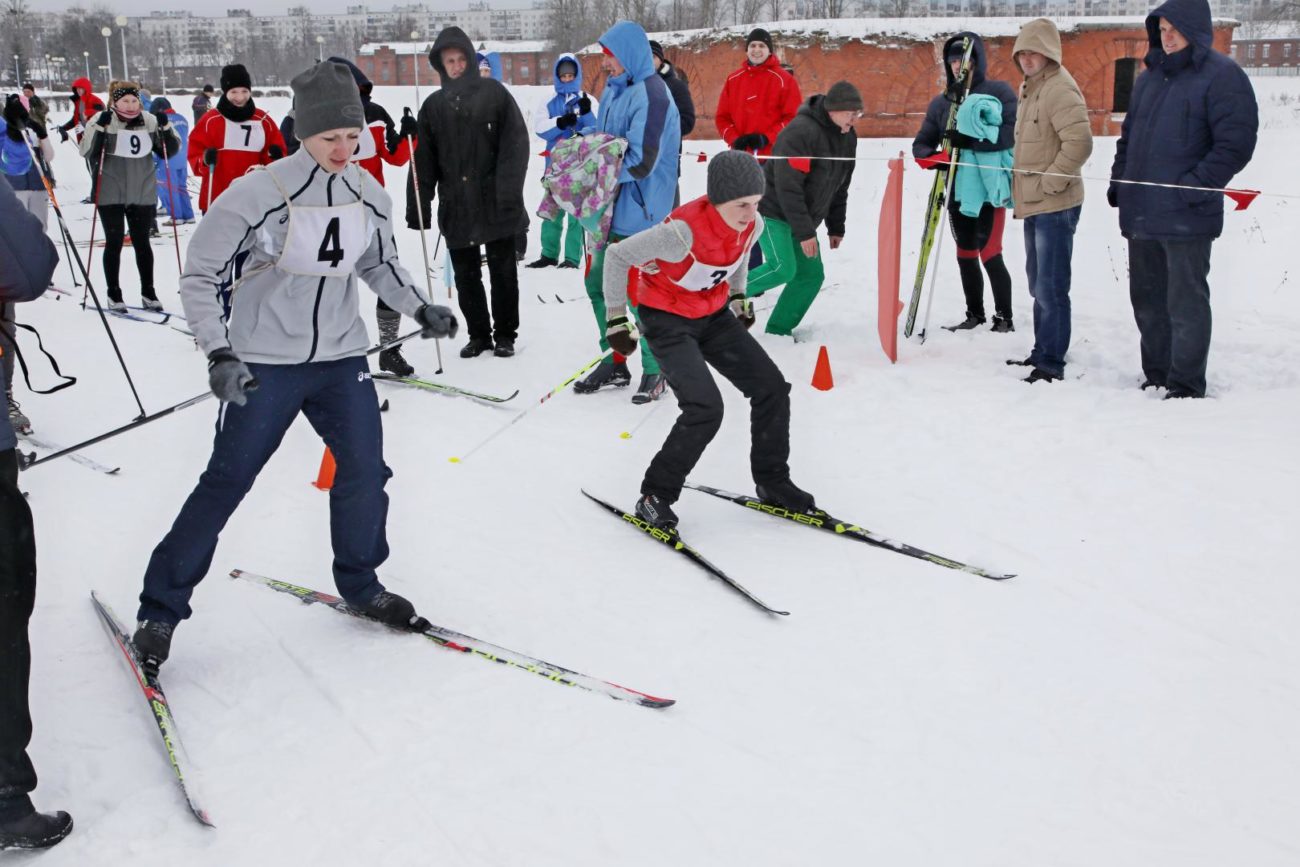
(570, 112)
(173, 172)
(1192, 121)
(636, 105)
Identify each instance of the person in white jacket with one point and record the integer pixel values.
(270, 290)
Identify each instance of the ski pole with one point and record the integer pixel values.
(198, 398)
(46, 179)
(519, 415)
(424, 242)
(173, 205)
(94, 217)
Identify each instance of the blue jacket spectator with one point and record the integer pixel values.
(567, 101)
(174, 171)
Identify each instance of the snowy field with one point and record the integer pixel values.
(1129, 699)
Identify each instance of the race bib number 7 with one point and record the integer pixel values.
(132, 144)
(247, 136)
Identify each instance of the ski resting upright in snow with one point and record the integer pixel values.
(673, 540)
(462, 643)
(820, 520)
(162, 713)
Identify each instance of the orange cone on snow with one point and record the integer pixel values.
(325, 478)
(822, 379)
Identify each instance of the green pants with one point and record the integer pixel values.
(551, 232)
(596, 292)
(785, 264)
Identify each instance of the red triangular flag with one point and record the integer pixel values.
(801, 164)
(1243, 198)
(702, 158)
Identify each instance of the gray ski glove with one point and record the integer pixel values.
(437, 321)
(229, 378)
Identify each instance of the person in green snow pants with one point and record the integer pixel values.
(552, 230)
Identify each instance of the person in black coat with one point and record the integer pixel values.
(473, 153)
(27, 261)
(978, 239)
(681, 93)
(1192, 121)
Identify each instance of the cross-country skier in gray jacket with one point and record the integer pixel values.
(270, 289)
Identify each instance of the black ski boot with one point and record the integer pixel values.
(1003, 324)
(391, 609)
(568, 264)
(651, 388)
(1040, 375)
(654, 509)
(35, 830)
(542, 262)
(783, 493)
(971, 321)
(17, 418)
(607, 373)
(153, 643)
(475, 348)
(504, 349)
(391, 360)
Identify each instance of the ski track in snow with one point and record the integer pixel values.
(1127, 700)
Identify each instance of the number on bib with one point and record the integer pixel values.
(330, 249)
(244, 136)
(132, 144)
(718, 276)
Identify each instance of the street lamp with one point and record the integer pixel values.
(229, 56)
(120, 21)
(415, 62)
(320, 49)
(108, 50)
(162, 67)
(85, 55)
(18, 73)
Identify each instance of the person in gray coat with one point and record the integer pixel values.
(270, 291)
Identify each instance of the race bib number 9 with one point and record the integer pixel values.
(365, 145)
(248, 136)
(132, 144)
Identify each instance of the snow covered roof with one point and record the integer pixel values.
(522, 46)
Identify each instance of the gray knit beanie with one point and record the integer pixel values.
(842, 97)
(734, 175)
(325, 97)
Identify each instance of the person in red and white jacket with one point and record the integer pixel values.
(85, 105)
(691, 271)
(757, 100)
(233, 138)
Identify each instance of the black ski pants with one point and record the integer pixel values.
(686, 348)
(503, 271)
(117, 219)
(979, 240)
(17, 598)
(1168, 284)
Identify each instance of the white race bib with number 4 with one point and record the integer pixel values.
(325, 242)
(247, 136)
(365, 145)
(132, 144)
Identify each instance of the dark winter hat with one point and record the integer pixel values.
(235, 75)
(207, 88)
(162, 103)
(733, 175)
(758, 34)
(27, 85)
(326, 97)
(955, 51)
(842, 97)
(657, 50)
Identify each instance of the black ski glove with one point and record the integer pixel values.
(210, 157)
(39, 128)
(409, 128)
(753, 141)
(622, 335)
(437, 321)
(959, 139)
(275, 152)
(584, 104)
(229, 378)
(743, 308)
(104, 119)
(63, 135)
(161, 117)
(1112, 195)
(566, 121)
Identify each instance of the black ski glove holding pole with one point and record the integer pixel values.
(622, 335)
(229, 378)
(437, 321)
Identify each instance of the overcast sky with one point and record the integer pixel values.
(259, 7)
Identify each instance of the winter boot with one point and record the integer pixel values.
(504, 349)
(654, 509)
(607, 373)
(1146, 383)
(1040, 375)
(475, 348)
(651, 388)
(971, 321)
(115, 302)
(20, 422)
(390, 609)
(567, 264)
(153, 643)
(35, 830)
(391, 360)
(783, 493)
(151, 302)
(542, 262)
(1002, 324)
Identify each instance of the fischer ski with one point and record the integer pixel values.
(440, 388)
(89, 463)
(467, 644)
(162, 713)
(820, 520)
(673, 540)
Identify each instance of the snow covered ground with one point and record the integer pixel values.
(1129, 699)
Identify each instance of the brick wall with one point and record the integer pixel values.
(386, 68)
(899, 77)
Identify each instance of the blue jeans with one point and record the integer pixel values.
(1049, 244)
(338, 399)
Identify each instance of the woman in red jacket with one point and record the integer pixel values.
(229, 141)
(85, 105)
(691, 303)
(757, 100)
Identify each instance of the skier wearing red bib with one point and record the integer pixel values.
(692, 305)
(229, 141)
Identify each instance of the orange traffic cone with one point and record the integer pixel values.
(325, 478)
(822, 379)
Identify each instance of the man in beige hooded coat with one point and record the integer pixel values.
(1053, 140)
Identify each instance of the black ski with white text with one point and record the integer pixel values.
(820, 520)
